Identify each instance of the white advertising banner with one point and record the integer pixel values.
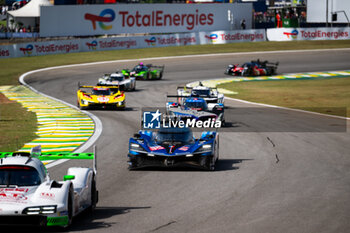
(171, 40)
(7, 51)
(46, 48)
(116, 43)
(84, 20)
(139, 42)
(225, 37)
(290, 34)
(90, 45)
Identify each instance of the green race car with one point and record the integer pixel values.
(144, 72)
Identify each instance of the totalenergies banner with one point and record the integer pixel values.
(117, 43)
(84, 20)
(114, 43)
(290, 34)
(225, 37)
(7, 51)
(46, 48)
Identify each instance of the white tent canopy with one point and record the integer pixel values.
(31, 9)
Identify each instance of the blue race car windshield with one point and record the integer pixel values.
(182, 135)
(196, 105)
(19, 176)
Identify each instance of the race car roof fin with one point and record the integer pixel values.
(94, 165)
(36, 151)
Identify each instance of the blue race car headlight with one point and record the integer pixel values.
(136, 147)
(205, 148)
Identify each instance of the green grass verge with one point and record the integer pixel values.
(17, 125)
(18, 130)
(329, 96)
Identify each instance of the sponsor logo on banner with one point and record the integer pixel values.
(106, 16)
(92, 45)
(4, 53)
(293, 34)
(324, 34)
(159, 18)
(242, 36)
(117, 43)
(170, 40)
(151, 41)
(282, 34)
(55, 48)
(27, 50)
(212, 37)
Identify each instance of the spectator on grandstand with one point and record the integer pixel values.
(243, 24)
(278, 20)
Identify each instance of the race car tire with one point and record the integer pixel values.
(132, 165)
(223, 123)
(160, 75)
(94, 195)
(211, 163)
(81, 107)
(70, 205)
(217, 150)
(249, 72)
(207, 163)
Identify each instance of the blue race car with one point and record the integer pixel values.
(169, 147)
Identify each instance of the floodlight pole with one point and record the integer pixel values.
(327, 13)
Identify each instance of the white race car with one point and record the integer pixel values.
(210, 95)
(118, 79)
(29, 197)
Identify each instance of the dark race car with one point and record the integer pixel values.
(169, 147)
(253, 68)
(144, 72)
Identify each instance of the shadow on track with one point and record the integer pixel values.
(84, 221)
(229, 164)
(112, 109)
(222, 165)
(99, 218)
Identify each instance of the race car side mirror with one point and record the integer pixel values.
(68, 177)
(137, 135)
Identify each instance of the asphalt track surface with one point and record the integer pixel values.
(270, 178)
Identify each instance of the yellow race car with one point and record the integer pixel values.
(100, 96)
